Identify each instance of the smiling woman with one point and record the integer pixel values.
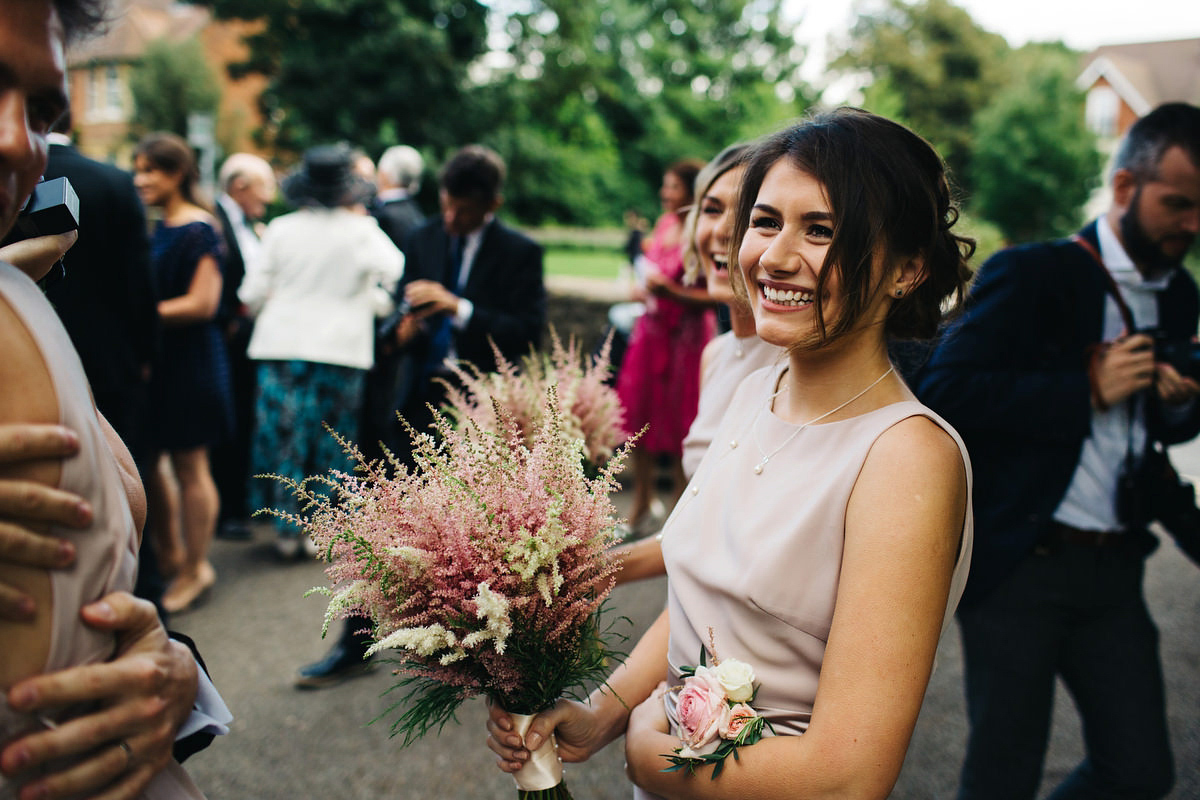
(825, 537)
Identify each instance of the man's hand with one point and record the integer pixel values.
(407, 329)
(1122, 368)
(36, 256)
(1173, 388)
(430, 297)
(142, 696)
(23, 503)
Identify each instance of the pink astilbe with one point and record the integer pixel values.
(485, 567)
(590, 408)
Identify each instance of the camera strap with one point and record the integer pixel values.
(1110, 285)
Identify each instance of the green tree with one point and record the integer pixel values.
(623, 88)
(1035, 161)
(171, 81)
(371, 72)
(938, 67)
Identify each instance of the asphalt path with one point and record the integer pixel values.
(257, 627)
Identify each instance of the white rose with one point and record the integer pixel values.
(737, 679)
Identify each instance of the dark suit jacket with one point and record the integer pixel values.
(505, 285)
(399, 218)
(107, 301)
(233, 269)
(1011, 375)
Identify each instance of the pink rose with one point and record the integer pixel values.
(739, 716)
(702, 710)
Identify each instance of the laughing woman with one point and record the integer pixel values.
(825, 537)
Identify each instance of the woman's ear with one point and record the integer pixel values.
(907, 276)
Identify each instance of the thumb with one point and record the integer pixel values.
(120, 611)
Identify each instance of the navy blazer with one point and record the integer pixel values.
(1010, 374)
(505, 286)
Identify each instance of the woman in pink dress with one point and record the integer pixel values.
(659, 383)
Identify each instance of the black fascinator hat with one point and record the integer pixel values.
(327, 178)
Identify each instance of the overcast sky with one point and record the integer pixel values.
(1082, 24)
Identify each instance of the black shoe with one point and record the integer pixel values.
(235, 530)
(341, 663)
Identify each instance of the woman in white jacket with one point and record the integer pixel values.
(326, 273)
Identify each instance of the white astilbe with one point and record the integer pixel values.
(493, 608)
(533, 554)
(424, 641)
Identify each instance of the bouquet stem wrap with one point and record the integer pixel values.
(544, 769)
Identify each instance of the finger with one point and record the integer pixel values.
(134, 674)
(90, 774)
(24, 547)
(83, 735)
(130, 786)
(35, 256)
(33, 502)
(506, 741)
(1139, 341)
(15, 606)
(121, 611)
(27, 441)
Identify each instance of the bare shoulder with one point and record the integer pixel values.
(920, 448)
(913, 484)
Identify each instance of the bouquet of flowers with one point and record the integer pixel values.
(590, 407)
(484, 567)
(715, 715)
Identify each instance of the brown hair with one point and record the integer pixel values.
(171, 154)
(889, 194)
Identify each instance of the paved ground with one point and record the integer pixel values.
(257, 627)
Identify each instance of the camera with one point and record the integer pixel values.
(1182, 354)
(52, 208)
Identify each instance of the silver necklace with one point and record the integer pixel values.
(758, 468)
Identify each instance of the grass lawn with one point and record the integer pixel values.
(578, 263)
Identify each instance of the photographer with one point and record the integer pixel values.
(1052, 379)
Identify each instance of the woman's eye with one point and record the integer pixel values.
(764, 222)
(820, 232)
(711, 209)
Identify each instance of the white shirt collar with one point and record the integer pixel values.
(1120, 265)
(237, 217)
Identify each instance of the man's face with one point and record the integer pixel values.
(252, 195)
(1160, 222)
(463, 215)
(32, 97)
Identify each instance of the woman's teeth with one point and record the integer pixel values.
(787, 297)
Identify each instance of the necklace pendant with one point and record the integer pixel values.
(733, 444)
(758, 468)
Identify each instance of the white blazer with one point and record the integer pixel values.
(323, 277)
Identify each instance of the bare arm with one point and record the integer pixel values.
(903, 525)
(201, 300)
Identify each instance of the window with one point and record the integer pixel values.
(1103, 106)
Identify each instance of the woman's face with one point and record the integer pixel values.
(673, 194)
(154, 186)
(781, 257)
(714, 225)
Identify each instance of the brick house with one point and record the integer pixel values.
(1125, 81)
(98, 75)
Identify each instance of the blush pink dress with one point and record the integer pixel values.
(659, 382)
(106, 552)
(757, 557)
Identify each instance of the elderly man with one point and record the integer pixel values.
(247, 188)
(1054, 384)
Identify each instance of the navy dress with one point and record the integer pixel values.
(190, 386)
